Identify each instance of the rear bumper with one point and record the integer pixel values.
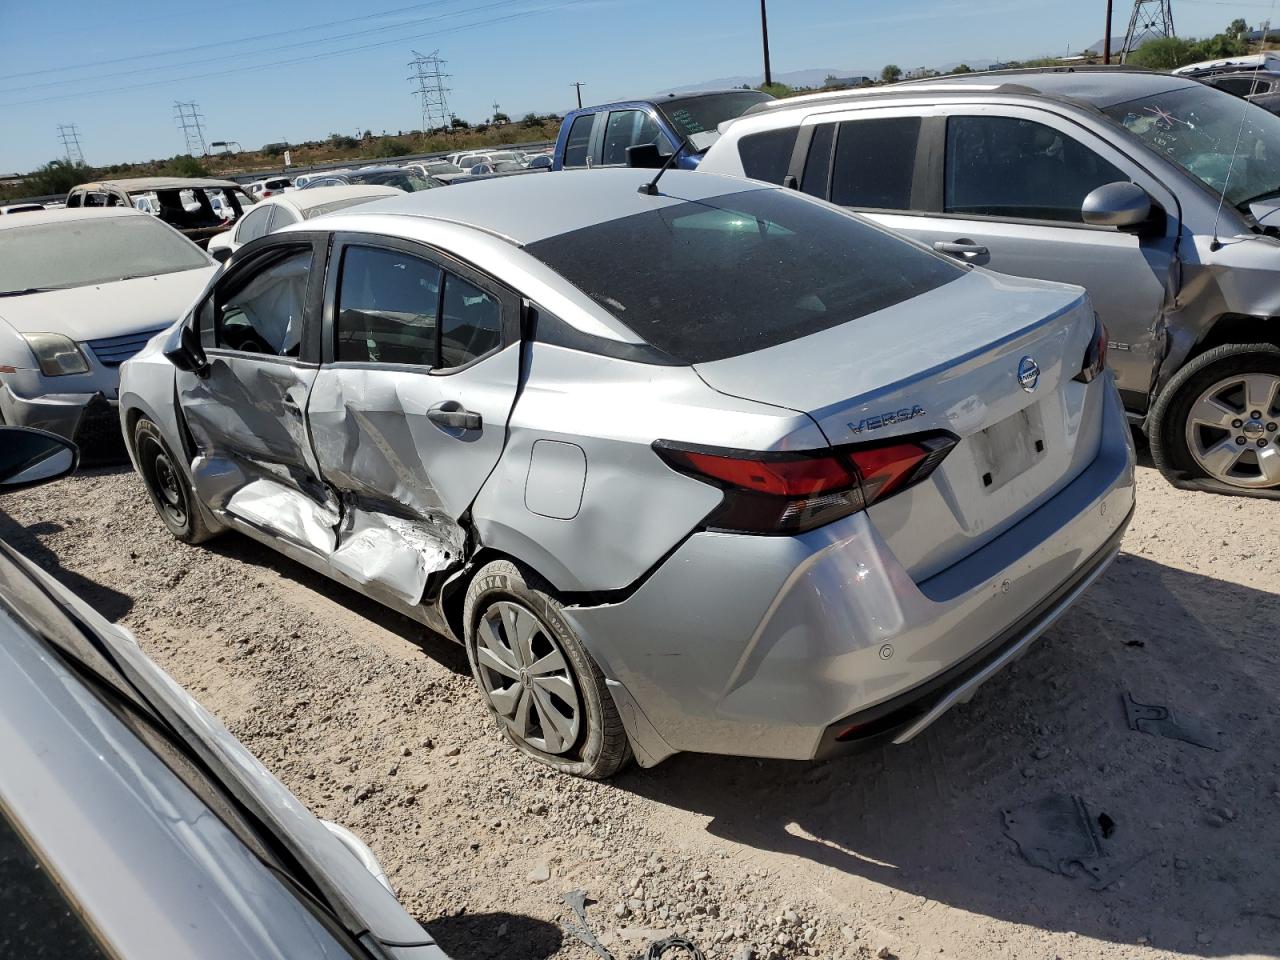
(770, 646)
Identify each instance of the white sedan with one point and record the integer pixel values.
(293, 207)
(81, 291)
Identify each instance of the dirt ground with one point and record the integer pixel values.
(899, 852)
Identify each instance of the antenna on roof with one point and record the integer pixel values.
(650, 189)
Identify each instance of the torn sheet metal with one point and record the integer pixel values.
(1160, 721)
(395, 553)
(285, 511)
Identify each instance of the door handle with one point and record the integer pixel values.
(961, 248)
(453, 414)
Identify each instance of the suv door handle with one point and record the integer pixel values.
(453, 414)
(961, 248)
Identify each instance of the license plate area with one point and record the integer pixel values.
(1008, 449)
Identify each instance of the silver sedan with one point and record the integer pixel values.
(705, 465)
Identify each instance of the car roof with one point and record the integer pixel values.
(71, 215)
(144, 184)
(1099, 86)
(527, 209)
(303, 200)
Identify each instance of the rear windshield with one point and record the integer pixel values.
(706, 280)
(77, 253)
(696, 118)
(313, 212)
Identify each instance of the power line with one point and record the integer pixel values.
(430, 89)
(243, 54)
(70, 137)
(578, 85)
(296, 60)
(174, 51)
(187, 116)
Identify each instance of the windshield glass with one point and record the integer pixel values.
(1197, 127)
(438, 168)
(78, 253)
(741, 272)
(409, 182)
(696, 118)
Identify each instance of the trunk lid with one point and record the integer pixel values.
(950, 360)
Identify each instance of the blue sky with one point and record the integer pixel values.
(116, 76)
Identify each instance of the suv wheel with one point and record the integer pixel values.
(1216, 426)
(167, 485)
(546, 693)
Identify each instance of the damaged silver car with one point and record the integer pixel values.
(705, 465)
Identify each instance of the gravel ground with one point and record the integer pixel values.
(899, 852)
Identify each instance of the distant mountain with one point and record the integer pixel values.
(812, 77)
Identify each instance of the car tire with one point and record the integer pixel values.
(1221, 385)
(167, 485)
(546, 693)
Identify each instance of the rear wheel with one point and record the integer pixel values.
(1216, 426)
(545, 692)
(167, 485)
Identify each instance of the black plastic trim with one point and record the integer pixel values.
(545, 327)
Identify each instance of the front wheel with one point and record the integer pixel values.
(167, 485)
(545, 692)
(1216, 426)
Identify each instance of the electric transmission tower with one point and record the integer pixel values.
(70, 138)
(187, 116)
(1150, 20)
(429, 85)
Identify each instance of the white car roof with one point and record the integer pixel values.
(524, 210)
(68, 215)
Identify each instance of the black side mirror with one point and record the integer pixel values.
(645, 156)
(1122, 204)
(29, 456)
(187, 354)
(221, 254)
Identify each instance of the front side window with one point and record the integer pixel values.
(1019, 169)
(874, 163)
(266, 314)
(387, 305)
(767, 155)
(255, 224)
(81, 253)
(630, 128)
(742, 272)
(579, 142)
(1227, 145)
(471, 322)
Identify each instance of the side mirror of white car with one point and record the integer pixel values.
(1121, 204)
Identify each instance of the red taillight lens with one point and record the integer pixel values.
(793, 492)
(1095, 357)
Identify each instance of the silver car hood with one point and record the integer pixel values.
(365, 907)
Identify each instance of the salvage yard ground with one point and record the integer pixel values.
(378, 726)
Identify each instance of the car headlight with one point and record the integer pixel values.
(57, 355)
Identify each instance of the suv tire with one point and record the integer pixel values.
(542, 687)
(1213, 383)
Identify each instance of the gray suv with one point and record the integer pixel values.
(1157, 193)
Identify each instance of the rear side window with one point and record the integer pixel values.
(874, 163)
(1019, 169)
(471, 323)
(817, 165)
(255, 224)
(767, 155)
(579, 142)
(706, 280)
(387, 303)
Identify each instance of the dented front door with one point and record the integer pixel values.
(246, 414)
(408, 413)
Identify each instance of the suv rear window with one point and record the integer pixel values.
(717, 278)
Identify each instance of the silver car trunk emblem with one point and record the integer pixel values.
(1028, 373)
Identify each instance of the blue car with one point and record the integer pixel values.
(644, 133)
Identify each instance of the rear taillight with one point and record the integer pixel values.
(783, 493)
(1095, 358)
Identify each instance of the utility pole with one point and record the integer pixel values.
(429, 86)
(70, 138)
(764, 36)
(1150, 20)
(187, 116)
(577, 85)
(1106, 42)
